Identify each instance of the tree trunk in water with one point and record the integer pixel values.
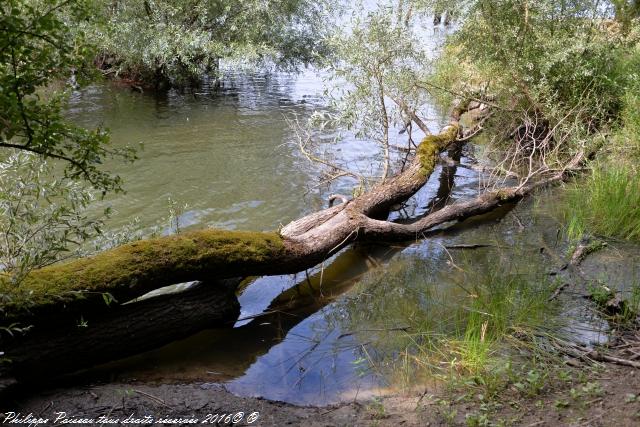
(124, 331)
(68, 289)
(58, 300)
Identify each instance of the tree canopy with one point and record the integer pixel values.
(40, 59)
(175, 42)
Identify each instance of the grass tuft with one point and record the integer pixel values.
(607, 204)
(468, 328)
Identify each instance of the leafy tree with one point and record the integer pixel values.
(558, 71)
(374, 65)
(37, 53)
(42, 220)
(175, 42)
(47, 164)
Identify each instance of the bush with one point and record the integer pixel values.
(42, 219)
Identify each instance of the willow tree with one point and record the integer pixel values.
(40, 61)
(50, 168)
(163, 42)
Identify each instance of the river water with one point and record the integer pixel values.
(228, 158)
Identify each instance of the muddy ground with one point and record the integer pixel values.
(605, 396)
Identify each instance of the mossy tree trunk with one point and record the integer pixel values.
(134, 269)
(129, 271)
(150, 323)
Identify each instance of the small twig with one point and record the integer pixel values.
(399, 328)
(557, 292)
(49, 405)
(414, 117)
(331, 410)
(154, 398)
(400, 148)
(469, 246)
(108, 414)
(596, 356)
(453, 264)
(585, 248)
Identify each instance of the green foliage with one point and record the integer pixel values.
(42, 220)
(627, 139)
(606, 204)
(170, 42)
(618, 308)
(560, 73)
(502, 305)
(175, 211)
(375, 65)
(626, 11)
(601, 295)
(37, 50)
(377, 58)
(536, 48)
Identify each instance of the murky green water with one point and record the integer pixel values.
(225, 155)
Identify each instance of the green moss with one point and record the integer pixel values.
(431, 146)
(132, 269)
(504, 195)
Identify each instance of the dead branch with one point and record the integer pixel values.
(412, 114)
(334, 197)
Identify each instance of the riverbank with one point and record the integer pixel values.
(604, 396)
(299, 350)
(563, 390)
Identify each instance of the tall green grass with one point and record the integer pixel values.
(467, 326)
(606, 204)
(502, 313)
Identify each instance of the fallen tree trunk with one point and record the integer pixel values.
(56, 300)
(134, 269)
(75, 344)
(124, 331)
